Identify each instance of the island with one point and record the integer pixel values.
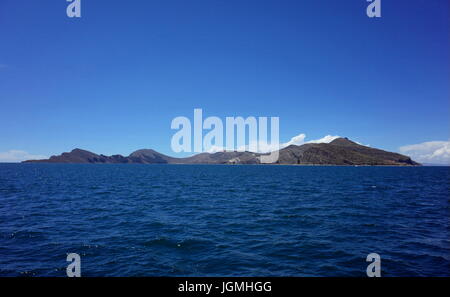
(340, 151)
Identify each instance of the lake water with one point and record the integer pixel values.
(217, 220)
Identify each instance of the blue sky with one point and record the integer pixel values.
(113, 80)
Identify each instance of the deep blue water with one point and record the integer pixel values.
(189, 220)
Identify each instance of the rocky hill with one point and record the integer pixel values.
(341, 151)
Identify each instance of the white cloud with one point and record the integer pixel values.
(326, 139)
(18, 156)
(433, 152)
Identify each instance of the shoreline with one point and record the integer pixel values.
(206, 164)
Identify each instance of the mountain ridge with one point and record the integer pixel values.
(340, 151)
